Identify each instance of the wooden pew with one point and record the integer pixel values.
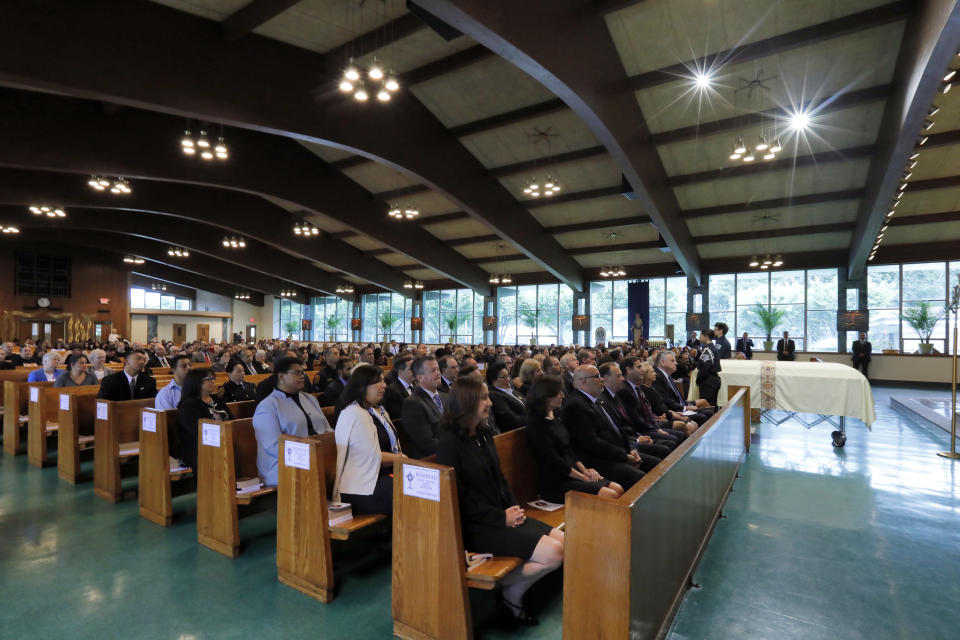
(158, 438)
(18, 374)
(519, 467)
(242, 409)
(430, 578)
(227, 452)
(304, 557)
(643, 547)
(42, 420)
(14, 405)
(116, 430)
(75, 417)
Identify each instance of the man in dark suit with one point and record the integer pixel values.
(250, 365)
(420, 413)
(568, 362)
(694, 341)
(651, 452)
(509, 409)
(449, 369)
(400, 390)
(336, 386)
(861, 354)
(786, 348)
(666, 388)
(131, 383)
(723, 344)
(640, 410)
(745, 346)
(598, 441)
(158, 359)
(236, 389)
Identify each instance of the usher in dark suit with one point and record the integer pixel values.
(745, 346)
(598, 441)
(861, 356)
(419, 420)
(791, 348)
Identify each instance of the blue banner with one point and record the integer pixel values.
(638, 308)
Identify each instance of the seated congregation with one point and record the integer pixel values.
(587, 420)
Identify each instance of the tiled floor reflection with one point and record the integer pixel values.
(859, 542)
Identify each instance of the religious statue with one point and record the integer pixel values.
(637, 330)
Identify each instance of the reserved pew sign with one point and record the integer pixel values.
(297, 454)
(211, 434)
(150, 421)
(34, 394)
(102, 411)
(64, 402)
(421, 482)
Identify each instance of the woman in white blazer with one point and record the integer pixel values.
(367, 445)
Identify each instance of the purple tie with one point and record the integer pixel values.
(436, 401)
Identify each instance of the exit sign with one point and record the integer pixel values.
(252, 320)
(104, 301)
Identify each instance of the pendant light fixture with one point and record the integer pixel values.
(242, 295)
(177, 252)
(202, 144)
(48, 210)
(550, 185)
(365, 80)
(9, 229)
(233, 242)
(132, 260)
(345, 288)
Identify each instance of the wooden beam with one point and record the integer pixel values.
(947, 182)
(833, 227)
(560, 158)
(348, 163)
(446, 65)
(454, 216)
(820, 106)
(926, 218)
(775, 203)
(460, 242)
(508, 118)
(761, 166)
(252, 15)
(376, 39)
(574, 196)
(806, 36)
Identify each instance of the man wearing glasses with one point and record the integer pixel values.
(286, 410)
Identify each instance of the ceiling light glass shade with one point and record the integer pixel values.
(346, 86)
(702, 80)
(416, 285)
(890, 213)
(506, 279)
(928, 124)
(949, 76)
(740, 147)
(764, 266)
(923, 140)
(603, 272)
(226, 242)
(769, 156)
(776, 148)
(762, 145)
(94, 182)
(361, 95)
(206, 154)
(383, 95)
(934, 110)
(734, 156)
(494, 279)
(946, 88)
(7, 229)
(187, 141)
(754, 262)
(914, 155)
(375, 73)
(351, 73)
(407, 284)
(202, 141)
(189, 151)
(221, 148)
(799, 121)
(748, 158)
(391, 84)
(242, 243)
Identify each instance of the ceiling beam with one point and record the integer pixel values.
(821, 106)
(946, 182)
(198, 238)
(593, 225)
(925, 218)
(252, 15)
(767, 166)
(575, 196)
(138, 36)
(148, 282)
(834, 227)
(232, 212)
(583, 69)
(852, 23)
(375, 39)
(774, 203)
(443, 66)
(560, 158)
(508, 118)
(928, 46)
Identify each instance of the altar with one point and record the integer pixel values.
(826, 389)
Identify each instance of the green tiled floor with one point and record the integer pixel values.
(819, 543)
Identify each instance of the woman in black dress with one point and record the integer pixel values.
(558, 466)
(198, 401)
(492, 520)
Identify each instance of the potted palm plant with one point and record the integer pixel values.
(333, 323)
(386, 323)
(769, 318)
(291, 328)
(452, 323)
(923, 318)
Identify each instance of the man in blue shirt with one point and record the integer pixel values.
(169, 397)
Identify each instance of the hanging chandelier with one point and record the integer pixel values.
(48, 211)
(345, 288)
(156, 286)
(362, 81)
(413, 284)
(203, 144)
(408, 212)
(767, 261)
(9, 229)
(242, 295)
(132, 260)
(177, 252)
(612, 272)
(233, 242)
(550, 185)
(117, 186)
(288, 293)
(304, 228)
(500, 278)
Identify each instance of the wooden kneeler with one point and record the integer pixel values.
(158, 436)
(306, 474)
(75, 419)
(430, 579)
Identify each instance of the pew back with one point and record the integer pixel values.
(75, 416)
(14, 405)
(42, 413)
(243, 409)
(158, 439)
(117, 440)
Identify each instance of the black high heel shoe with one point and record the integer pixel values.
(510, 612)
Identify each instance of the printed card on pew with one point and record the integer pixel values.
(149, 421)
(543, 505)
(211, 434)
(65, 402)
(102, 411)
(34, 394)
(421, 482)
(338, 512)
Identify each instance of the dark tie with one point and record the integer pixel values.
(610, 421)
(133, 386)
(251, 369)
(517, 395)
(436, 401)
(675, 390)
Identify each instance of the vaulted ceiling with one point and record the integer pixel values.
(600, 94)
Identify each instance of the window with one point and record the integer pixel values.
(541, 313)
(894, 289)
(292, 314)
(386, 316)
(668, 305)
(883, 301)
(331, 319)
(452, 313)
(148, 299)
(42, 275)
(822, 301)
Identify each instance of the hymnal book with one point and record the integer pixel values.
(248, 485)
(474, 560)
(338, 512)
(543, 505)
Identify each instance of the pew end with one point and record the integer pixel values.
(158, 442)
(116, 442)
(75, 418)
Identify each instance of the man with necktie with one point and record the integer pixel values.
(651, 452)
(131, 383)
(745, 346)
(421, 412)
(862, 350)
